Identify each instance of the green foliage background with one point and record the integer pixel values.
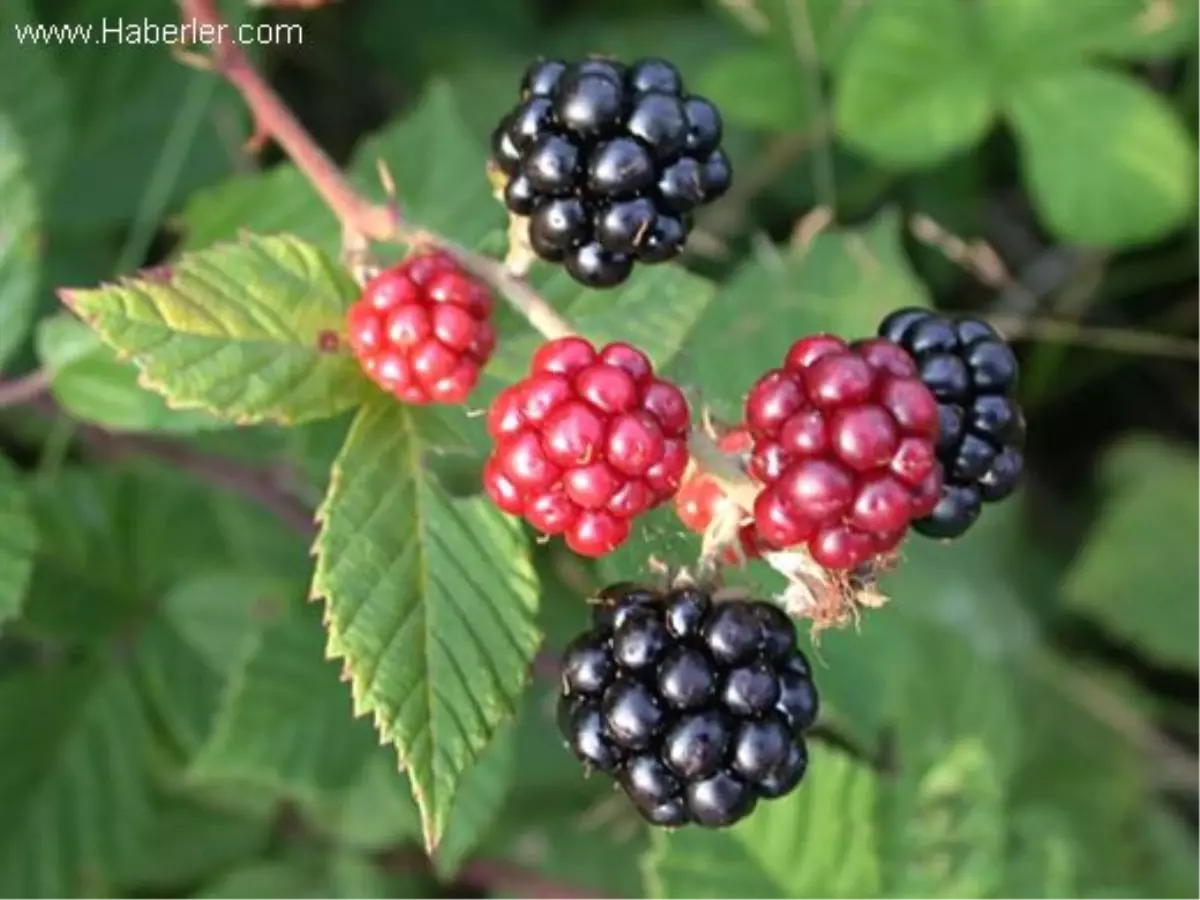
(176, 720)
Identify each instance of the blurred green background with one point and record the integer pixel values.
(1021, 720)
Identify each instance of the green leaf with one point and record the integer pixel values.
(75, 784)
(18, 541)
(187, 840)
(302, 873)
(1140, 547)
(430, 602)
(438, 167)
(201, 635)
(914, 87)
(114, 540)
(844, 282)
(286, 720)
(655, 311)
(142, 124)
(950, 827)
(819, 841)
(1043, 858)
(32, 95)
(1031, 35)
(93, 385)
(1107, 161)
(793, 25)
(375, 813)
(20, 254)
(479, 803)
(250, 331)
(759, 89)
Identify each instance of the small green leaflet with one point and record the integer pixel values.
(18, 540)
(250, 331)
(430, 602)
(819, 841)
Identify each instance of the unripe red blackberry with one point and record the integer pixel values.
(973, 373)
(422, 329)
(590, 440)
(696, 708)
(843, 446)
(628, 149)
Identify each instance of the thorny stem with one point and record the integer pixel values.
(379, 222)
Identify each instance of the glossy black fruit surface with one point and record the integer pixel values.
(973, 373)
(629, 144)
(697, 708)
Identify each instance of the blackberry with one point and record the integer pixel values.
(696, 708)
(626, 146)
(973, 373)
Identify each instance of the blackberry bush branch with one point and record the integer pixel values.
(377, 222)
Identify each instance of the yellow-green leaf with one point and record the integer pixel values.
(250, 331)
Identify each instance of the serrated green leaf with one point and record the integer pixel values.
(75, 784)
(950, 826)
(1141, 546)
(93, 385)
(914, 87)
(1107, 161)
(759, 89)
(32, 94)
(285, 720)
(187, 840)
(20, 253)
(201, 635)
(478, 804)
(430, 602)
(249, 331)
(844, 282)
(18, 541)
(302, 873)
(819, 841)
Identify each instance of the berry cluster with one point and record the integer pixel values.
(697, 708)
(981, 435)
(607, 161)
(422, 329)
(701, 499)
(590, 440)
(844, 447)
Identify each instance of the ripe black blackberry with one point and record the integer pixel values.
(608, 162)
(981, 436)
(696, 708)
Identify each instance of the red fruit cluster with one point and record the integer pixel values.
(587, 442)
(701, 498)
(844, 446)
(422, 329)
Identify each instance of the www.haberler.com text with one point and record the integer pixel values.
(134, 32)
